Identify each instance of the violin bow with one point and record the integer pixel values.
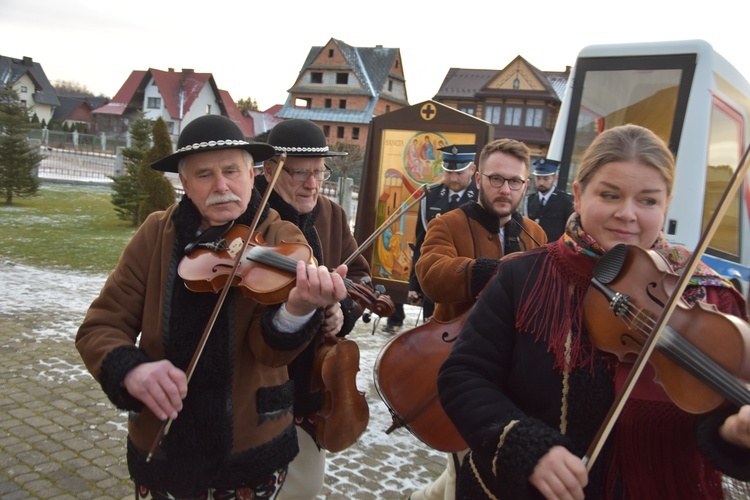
(650, 344)
(164, 430)
(390, 220)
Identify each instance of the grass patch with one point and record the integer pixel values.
(70, 227)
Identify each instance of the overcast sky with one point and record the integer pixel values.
(256, 49)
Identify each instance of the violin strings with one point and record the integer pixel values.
(692, 359)
(279, 261)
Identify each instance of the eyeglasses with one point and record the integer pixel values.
(302, 175)
(498, 181)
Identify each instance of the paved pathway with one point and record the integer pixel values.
(61, 438)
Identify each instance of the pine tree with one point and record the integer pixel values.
(126, 195)
(158, 190)
(18, 159)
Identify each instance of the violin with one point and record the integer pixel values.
(660, 327)
(265, 273)
(406, 373)
(341, 420)
(702, 357)
(207, 269)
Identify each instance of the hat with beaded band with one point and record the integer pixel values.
(298, 137)
(211, 133)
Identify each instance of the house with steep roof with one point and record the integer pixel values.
(178, 97)
(521, 101)
(30, 82)
(76, 112)
(341, 88)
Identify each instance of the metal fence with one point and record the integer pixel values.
(98, 168)
(74, 141)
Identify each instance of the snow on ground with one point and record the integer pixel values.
(386, 466)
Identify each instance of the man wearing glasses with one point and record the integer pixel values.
(458, 187)
(463, 247)
(325, 225)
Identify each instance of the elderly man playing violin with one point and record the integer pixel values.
(527, 387)
(297, 198)
(232, 434)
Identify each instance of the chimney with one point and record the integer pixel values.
(28, 61)
(188, 70)
(171, 70)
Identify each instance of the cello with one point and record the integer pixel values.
(406, 373)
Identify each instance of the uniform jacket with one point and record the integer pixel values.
(236, 424)
(461, 251)
(553, 215)
(326, 230)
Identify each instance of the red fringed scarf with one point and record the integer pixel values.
(652, 447)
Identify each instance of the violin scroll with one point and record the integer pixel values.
(371, 298)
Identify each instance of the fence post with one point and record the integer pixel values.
(45, 135)
(75, 139)
(104, 142)
(345, 194)
(35, 143)
(118, 162)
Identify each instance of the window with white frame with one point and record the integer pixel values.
(154, 103)
(534, 117)
(513, 116)
(492, 113)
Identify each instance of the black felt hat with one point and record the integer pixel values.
(459, 157)
(300, 138)
(209, 133)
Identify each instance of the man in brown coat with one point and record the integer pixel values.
(463, 247)
(298, 199)
(232, 434)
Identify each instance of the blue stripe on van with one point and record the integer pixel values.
(726, 268)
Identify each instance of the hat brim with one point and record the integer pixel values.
(258, 151)
(311, 154)
(461, 169)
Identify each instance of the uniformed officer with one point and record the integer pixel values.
(548, 206)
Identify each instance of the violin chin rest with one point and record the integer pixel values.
(610, 264)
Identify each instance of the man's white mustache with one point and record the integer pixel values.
(221, 198)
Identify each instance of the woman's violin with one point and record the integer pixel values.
(702, 357)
